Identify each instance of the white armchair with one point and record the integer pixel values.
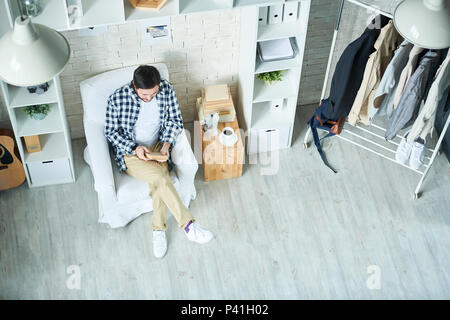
(122, 198)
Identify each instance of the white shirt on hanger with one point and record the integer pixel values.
(424, 123)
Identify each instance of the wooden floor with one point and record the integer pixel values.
(303, 233)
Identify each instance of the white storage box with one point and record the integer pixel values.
(276, 105)
(263, 140)
(275, 13)
(278, 49)
(262, 19)
(290, 11)
(49, 172)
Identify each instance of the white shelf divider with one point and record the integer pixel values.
(287, 88)
(29, 127)
(191, 6)
(101, 12)
(259, 3)
(20, 97)
(276, 65)
(52, 148)
(53, 14)
(264, 118)
(278, 31)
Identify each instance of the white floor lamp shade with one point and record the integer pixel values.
(32, 54)
(425, 23)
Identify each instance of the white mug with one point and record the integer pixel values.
(228, 137)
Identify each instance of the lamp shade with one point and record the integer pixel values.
(425, 23)
(31, 54)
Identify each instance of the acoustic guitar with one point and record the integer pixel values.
(12, 173)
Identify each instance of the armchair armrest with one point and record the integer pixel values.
(99, 156)
(184, 160)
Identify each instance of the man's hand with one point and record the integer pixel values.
(140, 152)
(165, 148)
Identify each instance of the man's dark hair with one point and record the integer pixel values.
(146, 77)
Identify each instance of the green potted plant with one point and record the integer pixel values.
(270, 77)
(37, 112)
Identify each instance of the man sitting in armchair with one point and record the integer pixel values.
(143, 120)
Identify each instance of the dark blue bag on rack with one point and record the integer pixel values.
(321, 120)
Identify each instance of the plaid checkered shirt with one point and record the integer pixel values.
(122, 113)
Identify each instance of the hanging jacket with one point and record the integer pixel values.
(382, 103)
(423, 125)
(412, 96)
(385, 45)
(407, 72)
(350, 68)
(435, 66)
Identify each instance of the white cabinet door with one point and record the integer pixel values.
(263, 140)
(49, 172)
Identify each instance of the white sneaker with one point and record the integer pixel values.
(404, 150)
(198, 234)
(159, 243)
(417, 154)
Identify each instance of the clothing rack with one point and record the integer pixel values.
(373, 135)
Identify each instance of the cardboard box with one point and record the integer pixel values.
(32, 144)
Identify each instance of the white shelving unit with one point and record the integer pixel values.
(269, 130)
(54, 163)
(54, 13)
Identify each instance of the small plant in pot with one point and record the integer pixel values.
(270, 77)
(37, 112)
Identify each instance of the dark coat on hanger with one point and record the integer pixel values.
(350, 68)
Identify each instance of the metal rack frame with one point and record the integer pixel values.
(357, 130)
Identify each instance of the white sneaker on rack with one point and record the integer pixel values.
(417, 154)
(404, 150)
(197, 233)
(159, 243)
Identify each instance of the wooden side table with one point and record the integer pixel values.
(219, 161)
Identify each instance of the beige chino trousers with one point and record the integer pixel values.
(162, 191)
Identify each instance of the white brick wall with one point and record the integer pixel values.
(199, 41)
(205, 50)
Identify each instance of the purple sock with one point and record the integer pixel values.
(187, 227)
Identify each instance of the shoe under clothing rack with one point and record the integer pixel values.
(372, 137)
